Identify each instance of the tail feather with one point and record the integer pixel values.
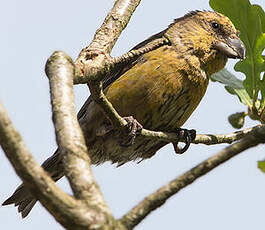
(22, 197)
(28, 207)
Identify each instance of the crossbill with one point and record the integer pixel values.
(160, 89)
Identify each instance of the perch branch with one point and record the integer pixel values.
(158, 198)
(207, 139)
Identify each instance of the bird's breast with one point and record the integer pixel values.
(161, 91)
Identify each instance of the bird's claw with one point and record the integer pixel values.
(133, 128)
(184, 134)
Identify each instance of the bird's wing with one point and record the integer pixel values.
(119, 70)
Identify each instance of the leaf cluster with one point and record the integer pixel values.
(250, 21)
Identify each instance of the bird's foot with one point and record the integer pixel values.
(184, 134)
(133, 128)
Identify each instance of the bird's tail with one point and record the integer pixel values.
(23, 198)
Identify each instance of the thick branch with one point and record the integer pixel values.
(60, 70)
(158, 198)
(60, 204)
(93, 61)
(115, 22)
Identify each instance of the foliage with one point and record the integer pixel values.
(233, 85)
(250, 21)
(261, 165)
(237, 120)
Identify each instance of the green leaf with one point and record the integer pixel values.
(261, 165)
(237, 120)
(250, 20)
(261, 16)
(252, 67)
(233, 85)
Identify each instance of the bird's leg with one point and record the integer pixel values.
(133, 128)
(184, 134)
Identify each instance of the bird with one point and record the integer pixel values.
(158, 90)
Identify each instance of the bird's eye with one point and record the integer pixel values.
(215, 25)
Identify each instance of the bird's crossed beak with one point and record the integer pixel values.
(232, 48)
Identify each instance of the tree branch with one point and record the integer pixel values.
(70, 139)
(132, 54)
(61, 205)
(207, 139)
(158, 198)
(94, 61)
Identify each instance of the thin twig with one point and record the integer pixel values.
(213, 139)
(100, 98)
(158, 198)
(207, 139)
(132, 54)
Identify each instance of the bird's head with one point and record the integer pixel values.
(208, 35)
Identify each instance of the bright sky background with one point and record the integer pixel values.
(230, 197)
